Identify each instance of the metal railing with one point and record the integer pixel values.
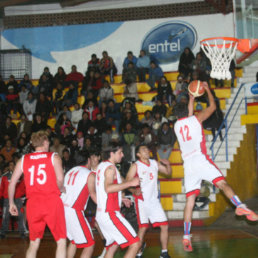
(227, 124)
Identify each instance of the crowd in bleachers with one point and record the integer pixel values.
(27, 108)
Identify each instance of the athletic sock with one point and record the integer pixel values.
(187, 228)
(235, 200)
(164, 251)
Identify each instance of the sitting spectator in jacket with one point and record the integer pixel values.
(155, 74)
(67, 137)
(106, 136)
(23, 94)
(48, 75)
(199, 65)
(129, 74)
(94, 63)
(97, 83)
(92, 110)
(129, 141)
(113, 114)
(185, 62)
(159, 107)
(67, 160)
(45, 86)
(90, 97)
(24, 125)
(9, 128)
(60, 76)
(165, 94)
(84, 124)
(146, 136)
(12, 82)
(131, 91)
(8, 150)
(107, 66)
(38, 123)
(129, 59)
(100, 123)
(57, 146)
(62, 122)
(88, 82)
(76, 115)
(129, 105)
(74, 75)
(129, 118)
(70, 97)
(158, 120)
(94, 136)
(26, 82)
(12, 101)
(43, 106)
(58, 96)
(148, 118)
(65, 109)
(166, 139)
(143, 65)
(106, 92)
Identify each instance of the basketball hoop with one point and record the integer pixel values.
(220, 51)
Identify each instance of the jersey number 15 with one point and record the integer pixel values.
(185, 133)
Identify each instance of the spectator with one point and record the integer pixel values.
(185, 62)
(94, 63)
(146, 136)
(80, 140)
(113, 114)
(107, 66)
(106, 93)
(97, 84)
(14, 83)
(29, 106)
(67, 161)
(23, 94)
(87, 144)
(159, 107)
(148, 118)
(155, 74)
(74, 150)
(92, 110)
(143, 65)
(165, 94)
(9, 128)
(88, 82)
(62, 122)
(26, 82)
(158, 120)
(84, 124)
(94, 136)
(103, 109)
(65, 110)
(47, 74)
(76, 115)
(129, 74)
(74, 76)
(179, 85)
(129, 118)
(66, 137)
(129, 140)
(129, 59)
(24, 125)
(100, 123)
(128, 105)
(58, 96)
(90, 96)
(19, 192)
(8, 150)
(70, 97)
(57, 146)
(12, 100)
(38, 124)
(45, 86)
(43, 106)
(22, 147)
(199, 65)
(131, 92)
(106, 136)
(166, 139)
(3, 89)
(60, 76)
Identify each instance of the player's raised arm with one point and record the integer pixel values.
(91, 187)
(130, 175)
(204, 114)
(110, 187)
(11, 188)
(59, 172)
(164, 167)
(191, 105)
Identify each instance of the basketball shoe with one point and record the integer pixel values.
(187, 243)
(242, 210)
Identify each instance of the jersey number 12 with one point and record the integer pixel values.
(185, 133)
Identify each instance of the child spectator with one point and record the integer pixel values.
(92, 110)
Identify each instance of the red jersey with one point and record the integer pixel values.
(39, 174)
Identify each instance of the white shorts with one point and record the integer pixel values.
(78, 229)
(116, 229)
(150, 211)
(198, 168)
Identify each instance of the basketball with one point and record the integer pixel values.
(196, 88)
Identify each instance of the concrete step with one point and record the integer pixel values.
(223, 164)
(250, 69)
(231, 151)
(182, 197)
(179, 206)
(172, 215)
(222, 157)
(217, 144)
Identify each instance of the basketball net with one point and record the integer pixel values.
(221, 51)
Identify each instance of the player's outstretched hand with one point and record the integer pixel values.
(164, 161)
(191, 97)
(13, 210)
(127, 202)
(135, 181)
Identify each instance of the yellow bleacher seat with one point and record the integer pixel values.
(166, 202)
(171, 76)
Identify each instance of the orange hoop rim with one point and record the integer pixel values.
(224, 38)
(234, 41)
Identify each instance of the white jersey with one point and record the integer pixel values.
(77, 193)
(107, 202)
(148, 174)
(190, 135)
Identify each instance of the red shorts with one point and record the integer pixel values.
(47, 210)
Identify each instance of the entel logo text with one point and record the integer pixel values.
(254, 89)
(166, 42)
